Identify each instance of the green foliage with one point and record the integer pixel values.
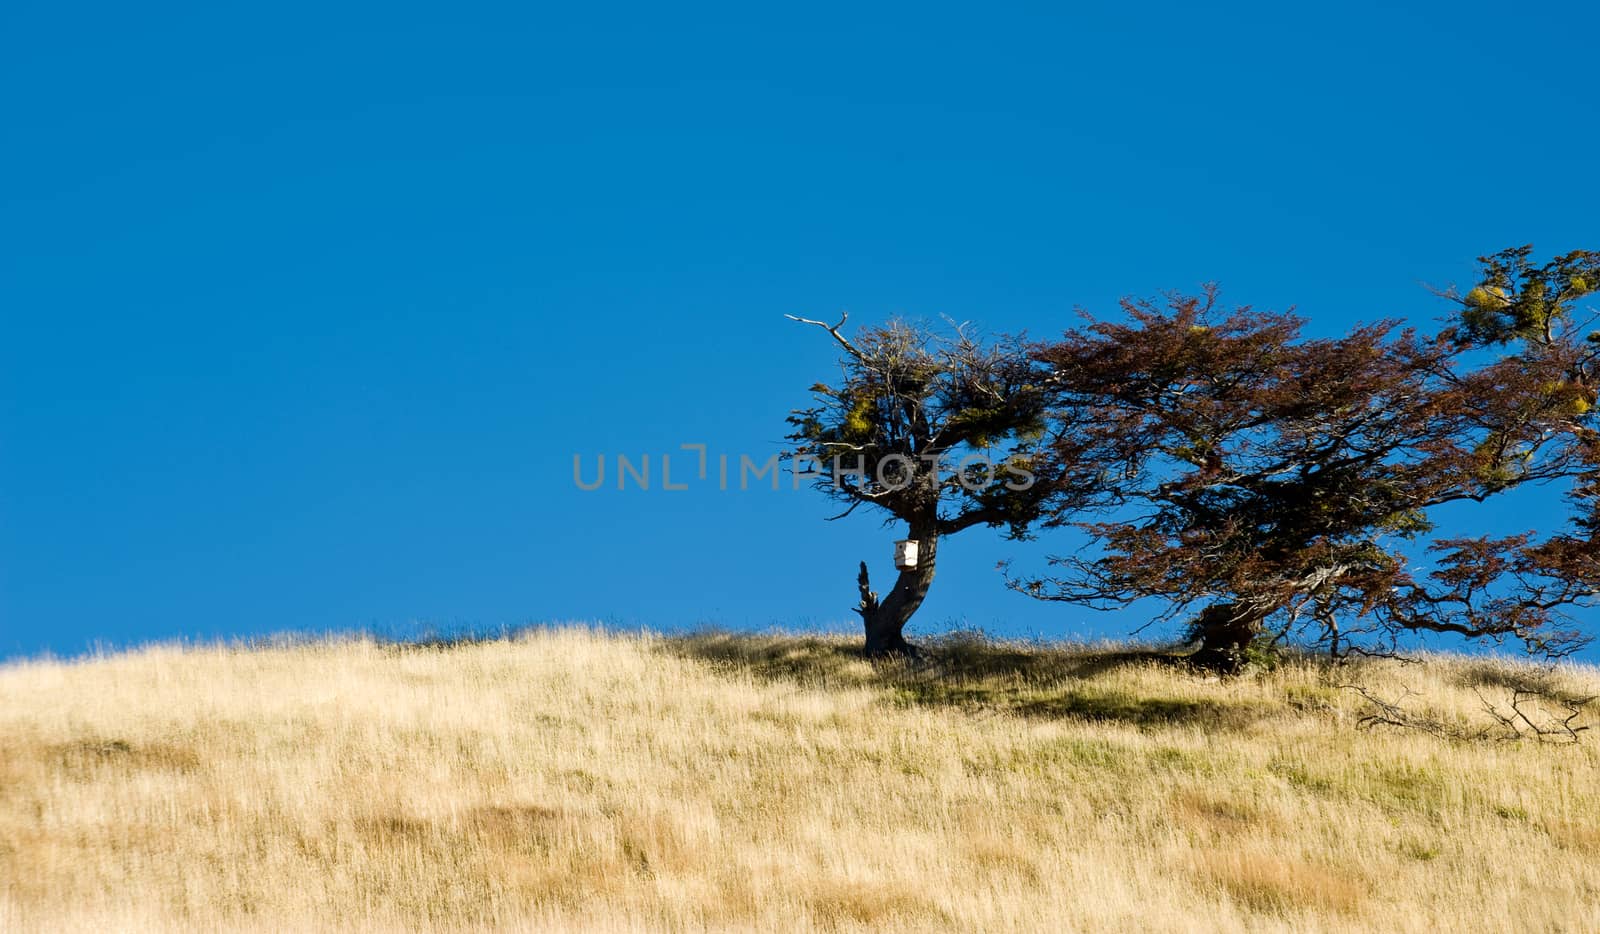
(1407, 523)
(860, 421)
(1516, 299)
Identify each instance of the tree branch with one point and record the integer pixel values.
(869, 597)
(834, 330)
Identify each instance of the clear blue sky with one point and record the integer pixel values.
(306, 308)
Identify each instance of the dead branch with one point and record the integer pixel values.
(1529, 715)
(1550, 726)
(834, 330)
(869, 597)
(1394, 714)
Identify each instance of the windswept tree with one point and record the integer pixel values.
(939, 433)
(1283, 480)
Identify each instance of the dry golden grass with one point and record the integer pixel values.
(569, 780)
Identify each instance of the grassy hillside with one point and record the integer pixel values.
(568, 780)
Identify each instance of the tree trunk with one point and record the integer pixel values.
(1226, 629)
(885, 621)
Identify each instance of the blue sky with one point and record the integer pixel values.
(307, 310)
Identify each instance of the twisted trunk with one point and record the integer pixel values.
(884, 622)
(1225, 629)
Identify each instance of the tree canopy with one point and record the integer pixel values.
(1285, 483)
(1259, 482)
(939, 432)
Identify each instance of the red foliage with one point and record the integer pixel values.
(1286, 478)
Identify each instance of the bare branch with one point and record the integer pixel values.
(1528, 716)
(834, 330)
(1393, 714)
(846, 512)
(869, 597)
(1528, 702)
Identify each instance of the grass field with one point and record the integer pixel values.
(572, 780)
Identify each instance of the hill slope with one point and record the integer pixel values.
(572, 780)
